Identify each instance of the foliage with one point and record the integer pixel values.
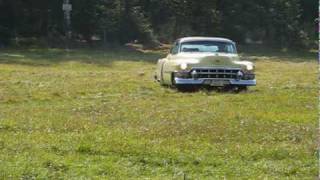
(285, 23)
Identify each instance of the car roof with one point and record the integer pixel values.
(189, 39)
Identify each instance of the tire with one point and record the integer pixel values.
(187, 88)
(182, 87)
(241, 88)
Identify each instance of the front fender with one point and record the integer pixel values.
(159, 70)
(169, 67)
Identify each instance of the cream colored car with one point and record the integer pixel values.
(205, 61)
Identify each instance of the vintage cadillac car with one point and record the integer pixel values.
(205, 61)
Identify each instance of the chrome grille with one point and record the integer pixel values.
(216, 73)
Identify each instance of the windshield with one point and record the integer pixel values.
(208, 46)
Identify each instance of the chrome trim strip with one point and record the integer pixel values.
(244, 82)
(188, 81)
(201, 81)
(214, 68)
(216, 73)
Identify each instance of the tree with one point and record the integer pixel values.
(284, 23)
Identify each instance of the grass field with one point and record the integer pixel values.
(99, 114)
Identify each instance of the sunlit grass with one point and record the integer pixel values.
(95, 113)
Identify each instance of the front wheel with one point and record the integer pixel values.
(183, 87)
(241, 88)
(187, 88)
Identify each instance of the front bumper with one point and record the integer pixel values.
(181, 81)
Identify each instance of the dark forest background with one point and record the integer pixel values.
(277, 23)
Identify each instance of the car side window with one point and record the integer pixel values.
(175, 48)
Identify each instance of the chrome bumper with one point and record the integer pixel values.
(181, 81)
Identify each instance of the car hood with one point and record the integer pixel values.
(211, 60)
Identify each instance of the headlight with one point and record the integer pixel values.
(184, 66)
(249, 67)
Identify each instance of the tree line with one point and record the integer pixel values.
(281, 23)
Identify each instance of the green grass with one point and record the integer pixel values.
(99, 114)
